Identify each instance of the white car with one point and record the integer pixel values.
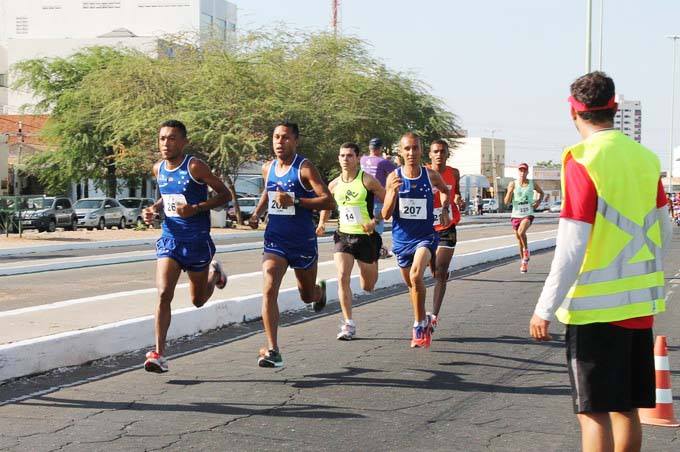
(556, 207)
(99, 213)
(489, 205)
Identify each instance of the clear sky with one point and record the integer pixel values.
(507, 64)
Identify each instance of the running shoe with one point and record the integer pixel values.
(155, 363)
(347, 331)
(419, 339)
(319, 305)
(524, 266)
(385, 253)
(433, 320)
(217, 268)
(269, 358)
(526, 254)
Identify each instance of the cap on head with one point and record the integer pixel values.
(524, 166)
(375, 143)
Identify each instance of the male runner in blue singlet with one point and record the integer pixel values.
(409, 199)
(293, 189)
(185, 244)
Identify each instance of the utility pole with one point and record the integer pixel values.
(670, 144)
(20, 135)
(589, 33)
(493, 167)
(601, 30)
(334, 16)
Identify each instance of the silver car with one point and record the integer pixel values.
(100, 213)
(133, 209)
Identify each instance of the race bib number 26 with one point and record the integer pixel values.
(170, 203)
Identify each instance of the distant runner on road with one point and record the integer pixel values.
(185, 243)
(439, 153)
(293, 188)
(521, 192)
(606, 280)
(379, 167)
(409, 199)
(355, 193)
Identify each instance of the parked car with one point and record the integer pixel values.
(556, 207)
(133, 209)
(100, 213)
(247, 206)
(48, 214)
(489, 205)
(542, 207)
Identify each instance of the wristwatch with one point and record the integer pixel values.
(296, 202)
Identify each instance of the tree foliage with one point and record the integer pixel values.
(106, 104)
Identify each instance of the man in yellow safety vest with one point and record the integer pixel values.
(606, 281)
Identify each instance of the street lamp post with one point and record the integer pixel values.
(670, 145)
(589, 33)
(493, 166)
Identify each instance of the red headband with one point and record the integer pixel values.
(581, 107)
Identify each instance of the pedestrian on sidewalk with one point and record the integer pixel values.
(185, 243)
(376, 165)
(355, 193)
(606, 281)
(441, 260)
(409, 199)
(293, 188)
(521, 192)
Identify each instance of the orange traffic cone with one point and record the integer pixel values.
(662, 414)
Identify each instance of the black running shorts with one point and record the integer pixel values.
(364, 247)
(611, 368)
(448, 237)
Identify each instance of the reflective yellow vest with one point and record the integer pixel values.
(622, 273)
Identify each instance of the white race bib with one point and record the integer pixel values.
(437, 216)
(524, 209)
(413, 209)
(170, 203)
(274, 208)
(350, 215)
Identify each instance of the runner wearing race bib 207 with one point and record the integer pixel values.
(521, 192)
(355, 192)
(409, 200)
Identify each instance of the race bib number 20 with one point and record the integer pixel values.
(413, 209)
(274, 208)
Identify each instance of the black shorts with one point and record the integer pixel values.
(448, 237)
(611, 368)
(364, 247)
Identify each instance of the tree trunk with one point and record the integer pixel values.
(111, 181)
(232, 189)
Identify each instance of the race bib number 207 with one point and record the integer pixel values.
(413, 209)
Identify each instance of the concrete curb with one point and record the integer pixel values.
(152, 240)
(78, 347)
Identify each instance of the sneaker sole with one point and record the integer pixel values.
(344, 338)
(154, 367)
(268, 364)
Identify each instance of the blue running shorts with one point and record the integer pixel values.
(298, 257)
(192, 256)
(406, 251)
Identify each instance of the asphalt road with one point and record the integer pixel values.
(483, 385)
(21, 291)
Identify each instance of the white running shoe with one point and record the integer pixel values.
(347, 331)
(217, 268)
(155, 363)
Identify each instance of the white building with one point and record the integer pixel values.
(628, 118)
(473, 155)
(47, 28)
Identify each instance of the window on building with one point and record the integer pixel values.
(101, 4)
(206, 21)
(220, 28)
(21, 25)
(3, 80)
(231, 26)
